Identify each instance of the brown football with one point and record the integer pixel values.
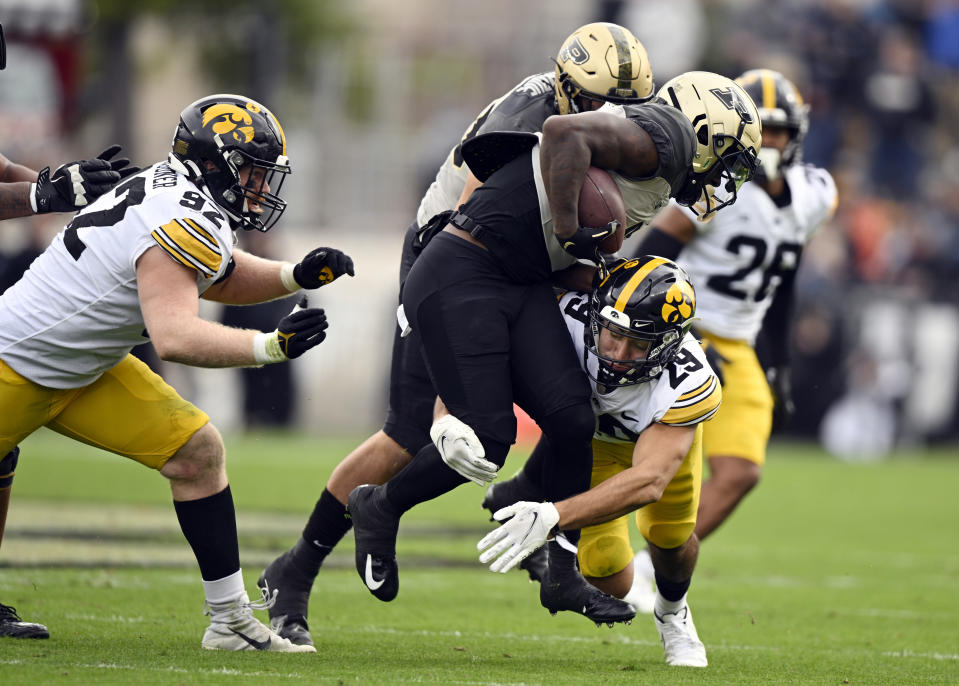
(600, 202)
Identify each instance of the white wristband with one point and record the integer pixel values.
(266, 349)
(286, 277)
(33, 197)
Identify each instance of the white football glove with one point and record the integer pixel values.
(515, 540)
(461, 450)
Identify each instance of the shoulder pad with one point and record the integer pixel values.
(488, 152)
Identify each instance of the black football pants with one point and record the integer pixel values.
(489, 342)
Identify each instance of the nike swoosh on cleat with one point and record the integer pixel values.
(371, 583)
(259, 645)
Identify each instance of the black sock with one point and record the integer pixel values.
(531, 475)
(8, 465)
(424, 478)
(209, 525)
(672, 590)
(562, 562)
(568, 462)
(326, 526)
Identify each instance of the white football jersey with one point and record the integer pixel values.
(736, 261)
(76, 312)
(686, 393)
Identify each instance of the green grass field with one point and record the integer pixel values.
(830, 573)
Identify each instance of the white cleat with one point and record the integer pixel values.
(233, 627)
(680, 641)
(642, 594)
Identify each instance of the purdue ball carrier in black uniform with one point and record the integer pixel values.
(597, 63)
(480, 298)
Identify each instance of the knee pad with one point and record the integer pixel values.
(604, 555)
(8, 465)
(573, 424)
(667, 536)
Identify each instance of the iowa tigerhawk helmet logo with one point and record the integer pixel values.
(229, 118)
(680, 303)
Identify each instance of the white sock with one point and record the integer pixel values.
(664, 606)
(643, 565)
(224, 590)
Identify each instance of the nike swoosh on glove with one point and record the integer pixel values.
(529, 527)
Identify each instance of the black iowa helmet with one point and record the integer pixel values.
(217, 136)
(780, 106)
(648, 299)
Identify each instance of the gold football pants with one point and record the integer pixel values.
(605, 549)
(129, 410)
(741, 426)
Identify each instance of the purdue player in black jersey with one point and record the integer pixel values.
(598, 63)
(481, 300)
(23, 192)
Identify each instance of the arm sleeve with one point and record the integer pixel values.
(773, 342)
(660, 243)
(673, 136)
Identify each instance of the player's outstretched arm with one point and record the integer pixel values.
(71, 187)
(15, 181)
(169, 300)
(74, 185)
(657, 456)
(255, 279)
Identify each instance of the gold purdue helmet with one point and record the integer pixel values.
(602, 62)
(728, 137)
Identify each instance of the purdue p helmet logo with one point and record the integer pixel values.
(228, 118)
(574, 52)
(680, 303)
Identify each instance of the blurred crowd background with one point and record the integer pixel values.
(373, 94)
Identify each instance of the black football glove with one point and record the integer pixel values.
(716, 361)
(780, 380)
(75, 185)
(321, 266)
(301, 329)
(584, 244)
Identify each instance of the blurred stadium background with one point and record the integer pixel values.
(373, 93)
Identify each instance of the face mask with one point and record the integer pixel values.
(769, 162)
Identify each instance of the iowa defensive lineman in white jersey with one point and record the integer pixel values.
(652, 389)
(130, 268)
(743, 263)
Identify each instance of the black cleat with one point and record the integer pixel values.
(374, 530)
(504, 493)
(11, 625)
(294, 629)
(288, 614)
(576, 594)
(535, 565)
